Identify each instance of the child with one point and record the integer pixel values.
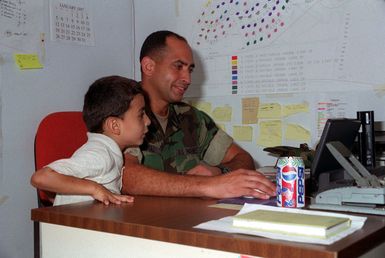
(115, 118)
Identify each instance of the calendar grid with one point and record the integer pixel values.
(71, 23)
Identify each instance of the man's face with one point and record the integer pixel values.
(172, 73)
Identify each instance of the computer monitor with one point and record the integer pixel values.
(325, 170)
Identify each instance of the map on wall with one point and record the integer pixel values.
(284, 46)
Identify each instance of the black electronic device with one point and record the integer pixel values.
(366, 193)
(366, 139)
(326, 172)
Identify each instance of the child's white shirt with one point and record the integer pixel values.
(99, 160)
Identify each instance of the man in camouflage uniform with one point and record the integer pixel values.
(185, 143)
(183, 140)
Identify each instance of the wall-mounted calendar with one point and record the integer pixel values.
(71, 22)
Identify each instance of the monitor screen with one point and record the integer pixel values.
(343, 130)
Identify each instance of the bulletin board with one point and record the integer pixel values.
(272, 72)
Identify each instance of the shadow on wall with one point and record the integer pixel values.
(198, 77)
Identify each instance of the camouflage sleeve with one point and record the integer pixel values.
(217, 148)
(216, 141)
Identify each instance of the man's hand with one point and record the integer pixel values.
(204, 170)
(103, 195)
(241, 182)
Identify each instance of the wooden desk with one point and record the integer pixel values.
(171, 220)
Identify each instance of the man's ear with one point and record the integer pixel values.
(112, 125)
(148, 65)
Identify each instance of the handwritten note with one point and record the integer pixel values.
(222, 114)
(269, 110)
(202, 105)
(250, 110)
(297, 132)
(270, 133)
(243, 133)
(21, 25)
(292, 109)
(27, 61)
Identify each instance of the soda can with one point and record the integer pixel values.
(290, 182)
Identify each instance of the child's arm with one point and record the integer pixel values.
(50, 180)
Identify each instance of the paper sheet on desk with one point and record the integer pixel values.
(242, 200)
(225, 225)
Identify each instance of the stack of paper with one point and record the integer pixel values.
(310, 225)
(226, 225)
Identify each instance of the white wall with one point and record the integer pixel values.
(149, 18)
(27, 96)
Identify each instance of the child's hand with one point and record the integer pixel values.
(103, 195)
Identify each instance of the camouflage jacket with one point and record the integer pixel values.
(191, 137)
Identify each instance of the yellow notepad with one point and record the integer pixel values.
(318, 226)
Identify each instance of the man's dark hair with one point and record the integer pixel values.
(155, 43)
(108, 96)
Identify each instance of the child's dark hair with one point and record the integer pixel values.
(108, 96)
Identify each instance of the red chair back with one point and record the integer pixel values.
(58, 136)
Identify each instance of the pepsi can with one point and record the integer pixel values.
(290, 182)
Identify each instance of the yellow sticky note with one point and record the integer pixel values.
(292, 109)
(202, 105)
(297, 133)
(27, 61)
(270, 133)
(243, 133)
(222, 114)
(250, 110)
(269, 110)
